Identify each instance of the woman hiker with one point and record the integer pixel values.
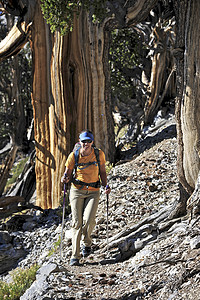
(89, 165)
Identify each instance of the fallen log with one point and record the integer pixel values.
(132, 240)
(6, 201)
(5, 169)
(11, 205)
(154, 219)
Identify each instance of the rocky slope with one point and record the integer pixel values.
(145, 256)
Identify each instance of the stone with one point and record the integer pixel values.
(5, 237)
(195, 243)
(40, 285)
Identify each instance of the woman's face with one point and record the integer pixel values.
(86, 144)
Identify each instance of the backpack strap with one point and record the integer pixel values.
(96, 152)
(76, 156)
(85, 165)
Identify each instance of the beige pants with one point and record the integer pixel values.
(84, 204)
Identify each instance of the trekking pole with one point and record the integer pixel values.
(107, 198)
(63, 217)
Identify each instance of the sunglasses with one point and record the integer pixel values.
(87, 141)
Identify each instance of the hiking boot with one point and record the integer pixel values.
(86, 251)
(74, 262)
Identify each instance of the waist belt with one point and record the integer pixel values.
(92, 184)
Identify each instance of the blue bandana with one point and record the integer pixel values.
(86, 136)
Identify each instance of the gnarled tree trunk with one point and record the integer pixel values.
(18, 130)
(71, 98)
(187, 107)
(162, 70)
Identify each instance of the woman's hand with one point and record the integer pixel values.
(67, 176)
(107, 189)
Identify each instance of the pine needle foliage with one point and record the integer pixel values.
(59, 14)
(124, 57)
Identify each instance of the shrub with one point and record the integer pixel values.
(21, 281)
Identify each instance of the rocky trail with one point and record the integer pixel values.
(148, 255)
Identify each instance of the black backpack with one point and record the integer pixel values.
(85, 165)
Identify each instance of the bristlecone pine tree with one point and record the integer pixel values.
(71, 86)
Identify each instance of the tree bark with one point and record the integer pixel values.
(18, 125)
(162, 70)
(6, 201)
(188, 92)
